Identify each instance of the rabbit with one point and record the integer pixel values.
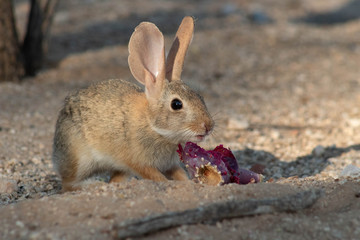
(115, 126)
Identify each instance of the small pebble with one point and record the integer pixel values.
(20, 224)
(354, 122)
(318, 151)
(7, 186)
(258, 168)
(275, 134)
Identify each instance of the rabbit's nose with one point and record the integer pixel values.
(208, 126)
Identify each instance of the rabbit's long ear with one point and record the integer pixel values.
(176, 56)
(147, 58)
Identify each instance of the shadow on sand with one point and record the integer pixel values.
(348, 12)
(302, 166)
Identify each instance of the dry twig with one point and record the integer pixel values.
(216, 212)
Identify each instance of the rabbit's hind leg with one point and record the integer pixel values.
(118, 176)
(177, 173)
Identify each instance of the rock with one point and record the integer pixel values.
(237, 124)
(318, 151)
(8, 185)
(350, 171)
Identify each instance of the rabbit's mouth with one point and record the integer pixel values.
(200, 138)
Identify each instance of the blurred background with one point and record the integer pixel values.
(282, 69)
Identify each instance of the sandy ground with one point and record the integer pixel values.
(280, 77)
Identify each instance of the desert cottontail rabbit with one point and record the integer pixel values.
(115, 126)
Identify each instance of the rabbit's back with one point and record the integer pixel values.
(92, 121)
(103, 105)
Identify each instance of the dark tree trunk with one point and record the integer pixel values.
(10, 62)
(35, 43)
(17, 60)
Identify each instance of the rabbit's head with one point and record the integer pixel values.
(174, 110)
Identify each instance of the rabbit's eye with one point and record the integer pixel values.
(176, 104)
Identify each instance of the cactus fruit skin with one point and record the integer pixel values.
(214, 167)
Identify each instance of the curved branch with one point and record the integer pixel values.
(216, 212)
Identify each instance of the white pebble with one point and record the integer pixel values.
(275, 134)
(20, 224)
(354, 122)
